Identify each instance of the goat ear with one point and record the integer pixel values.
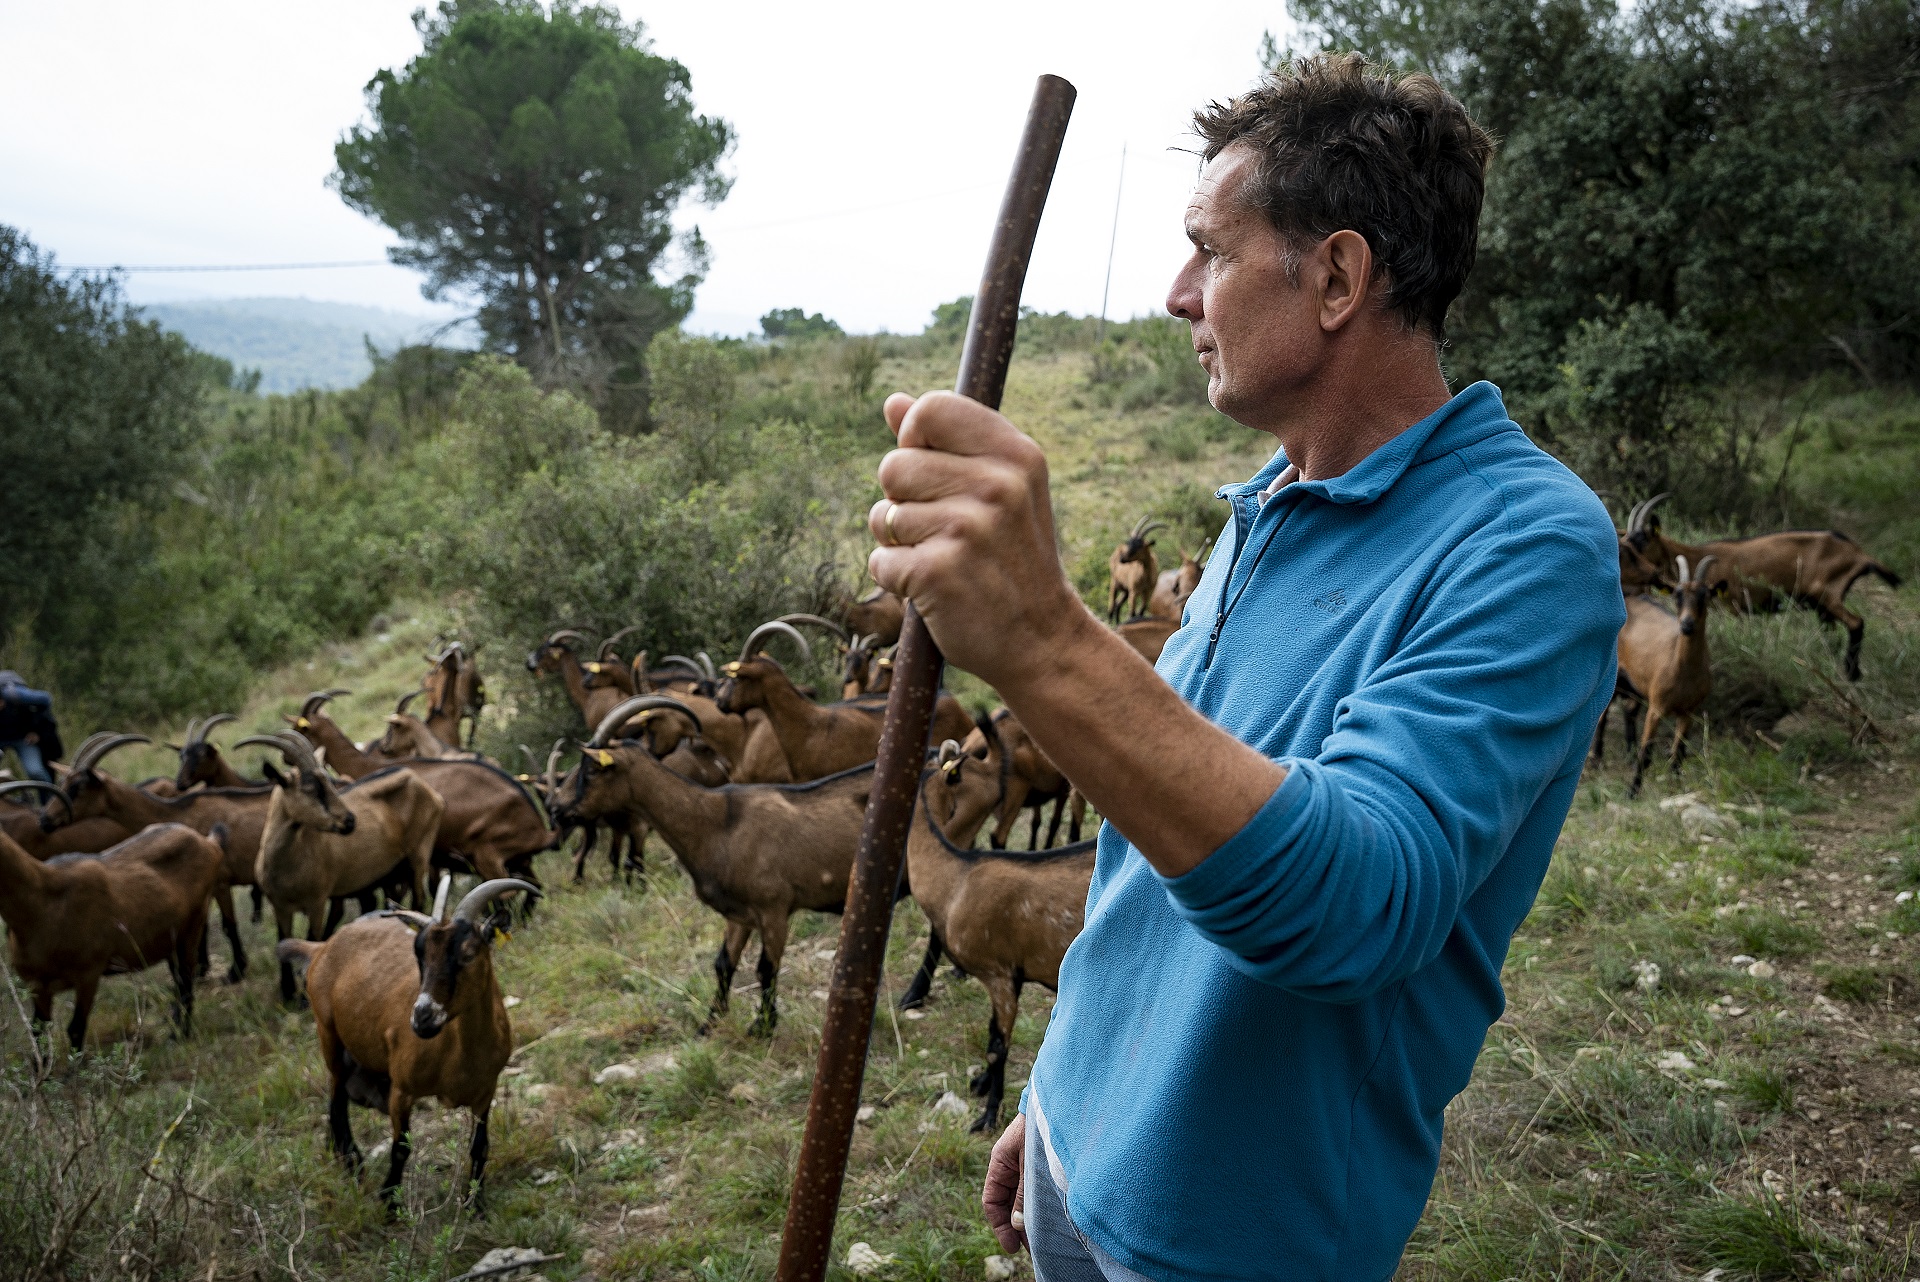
(273, 776)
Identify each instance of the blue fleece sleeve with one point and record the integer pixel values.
(1352, 874)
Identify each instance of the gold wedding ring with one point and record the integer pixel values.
(893, 539)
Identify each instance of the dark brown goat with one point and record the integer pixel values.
(879, 613)
(455, 694)
(77, 918)
(407, 1008)
(1032, 780)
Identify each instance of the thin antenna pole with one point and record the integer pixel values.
(1100, 336)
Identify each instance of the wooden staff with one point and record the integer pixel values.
(808, 1240)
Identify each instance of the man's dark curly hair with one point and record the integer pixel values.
(1342, 143)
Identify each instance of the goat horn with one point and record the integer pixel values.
(566, 634)
(682, 661)
(1700, 570)
(760, 636)
(606, 647)
(35, 785)
(217, 719)
(817, 622)
(290, 745)
(1134, 533)
(485, 893)
(1156, 525)
(1633, 516)
(706, 664)
(318, 697)
(440, 897)
(1646, 509)
(949, 751)
(95, 749)
(193, 732)
(401, 707)
(406, 917)
(625, 710)
(553, 765)
(1683, 570)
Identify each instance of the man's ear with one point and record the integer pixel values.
(1347, 260)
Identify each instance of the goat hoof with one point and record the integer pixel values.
(984, 1122)
(978, 1086)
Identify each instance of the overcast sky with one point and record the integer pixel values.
(873, 143)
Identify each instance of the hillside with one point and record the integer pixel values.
(1653, 1101)
(297, 343)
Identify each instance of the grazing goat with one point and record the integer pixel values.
(817, 740)
(1132, 572)
(1006, 917)
(456, 693)
(76, 918)
(1174, 586)
(757, 853)
(343, 754)
(1148, 636)
(322, 844)
(89, 793)
(1032, 780)
(1813, 568)
(408, 736)
(1664, 666)
(1638, 574)
(406, 1007)
(879, 613)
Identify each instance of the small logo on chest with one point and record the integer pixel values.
(1332, 603)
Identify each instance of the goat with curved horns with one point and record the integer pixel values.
(406, 1007)
(321, 843)
(817, 740)
(756, 853)
(1664, 666)
(1132, 571)
(1813, 568)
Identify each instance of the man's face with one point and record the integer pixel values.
(1257, 332)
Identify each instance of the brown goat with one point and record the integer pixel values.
(1006, 917)
(1174, 586)
(76, 918)
(1148, 636)
(408, 736)
(407, 1007)
(593, 687)
(1812, 568)
(202, 762)
(1664, 665)
(25, 825)
(89, 793)
(1032, 780)
(322, 844)
(1132, 572)
(879, 613)
(455, 694)
(491, 825)
(757, 853)
(817, 740)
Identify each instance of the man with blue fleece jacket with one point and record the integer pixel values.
(1326, 822)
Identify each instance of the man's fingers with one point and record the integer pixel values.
(896, 410)
(951, 423)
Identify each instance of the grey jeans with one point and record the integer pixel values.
(1061, 1252)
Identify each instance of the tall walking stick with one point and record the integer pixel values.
(808, 1240)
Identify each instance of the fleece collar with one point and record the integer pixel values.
(1474, 414)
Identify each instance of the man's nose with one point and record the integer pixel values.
(1183, 297)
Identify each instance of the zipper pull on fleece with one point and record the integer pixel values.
(1213, 638)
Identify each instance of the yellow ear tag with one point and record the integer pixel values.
(604, 758)
(591, 667)
(501, 936)
(300, 723)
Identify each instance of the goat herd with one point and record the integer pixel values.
(757, 788)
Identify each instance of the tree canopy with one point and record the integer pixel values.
(1684, 189)
(535, 159)
(98, 411)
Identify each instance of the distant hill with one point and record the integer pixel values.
(296, 342)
